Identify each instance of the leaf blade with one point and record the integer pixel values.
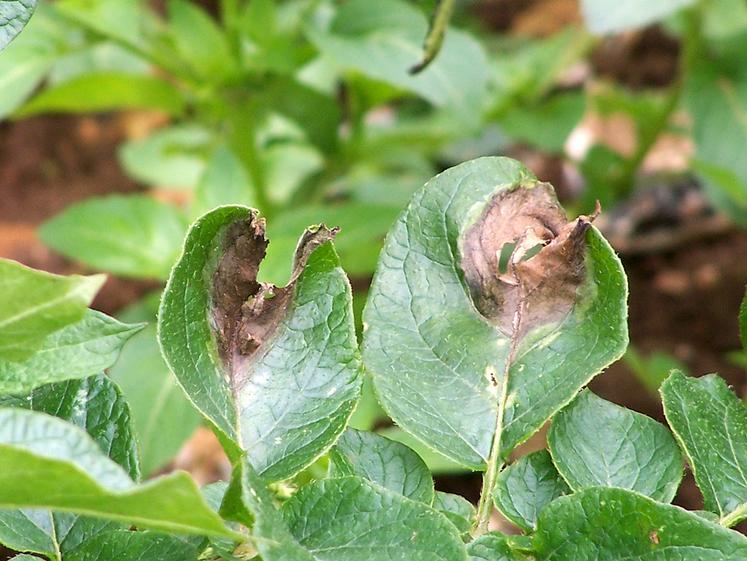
(596, 443)
(710, 424)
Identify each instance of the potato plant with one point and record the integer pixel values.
(488, 315)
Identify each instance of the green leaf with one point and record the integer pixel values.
(382, 40)
(351, 519)
(170, 157)
(97, 406)
(94, 404)
(14, 15)
(384, 462)
(714, 93)
(491, 547)
(199, 41)
(72, 474)
(710, 424)
(275, 370)
(595, 443)
(545, 125)
(106, 91)
(122, 21)
(525, 487)
(458, 510)
(248, 501)
(162, 416)
(653, 369)
(608, 16)
(605, 524)
(132, 235)
(34, 304)
(437, 463)
(24, 557)
(438, 364)
(124, 545)
(77, 350)
(225, 181)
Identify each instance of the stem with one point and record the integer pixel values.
(435, 37)
(495, 461)
(734, 516)
(495, 465)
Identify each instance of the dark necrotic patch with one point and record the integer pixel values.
(523, 263)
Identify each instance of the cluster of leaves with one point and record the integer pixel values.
(488, 315)
(306, 109)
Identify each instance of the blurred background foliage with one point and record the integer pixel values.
(306, 109)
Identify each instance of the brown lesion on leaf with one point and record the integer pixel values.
(522, 261)
(245, 312)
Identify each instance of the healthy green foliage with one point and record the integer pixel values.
(71, 474)
(134, 236)
(76, 351)
(275, 370)
(34, 304)
(95, 405)
(492, 547)
(384, 462)
(603, 524)
(162, 416)
(525, 487)
(710, 423)
(595, 443)
(124, 545)
(352, 519)
(382, 41)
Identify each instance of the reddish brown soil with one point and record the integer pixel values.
(46, 164)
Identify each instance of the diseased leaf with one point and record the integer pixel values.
(710, 424)
(124, 545)
(275, 370)
(76, 351)
(525, 487)
(96, 405)
(14, 15)
(384, 462)
(595, 443)
(132, 235)
(458, 510)
(605, 524)
(608, 16)
(49, 463)
(363, 228)
(492, 547)
(162, 416)
(105, 91)
(446, 329)
(351, 519)
(34, 304)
